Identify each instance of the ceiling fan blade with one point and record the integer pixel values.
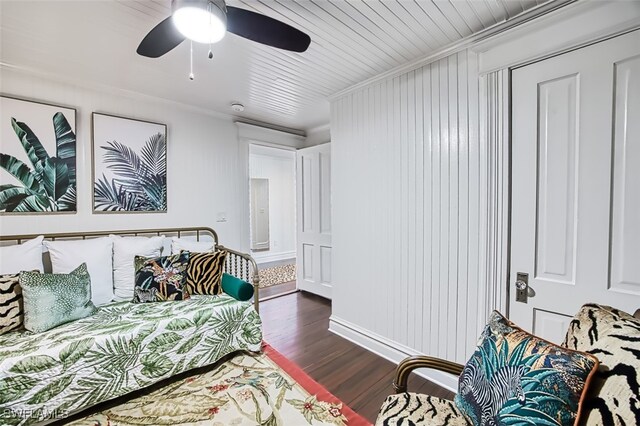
(266, 30)
(160, 40)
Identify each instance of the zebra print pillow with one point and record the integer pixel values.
(11, 310)
(204, 273)
(517, 378)
(614, 337)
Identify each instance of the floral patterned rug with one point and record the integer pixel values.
(265, 389)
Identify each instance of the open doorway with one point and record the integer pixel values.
(272, 173)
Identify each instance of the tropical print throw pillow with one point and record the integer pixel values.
(160, 279)
(516, 378)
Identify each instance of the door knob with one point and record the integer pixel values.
(522, 287)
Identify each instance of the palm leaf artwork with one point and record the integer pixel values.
(140, 179)
(50, 186)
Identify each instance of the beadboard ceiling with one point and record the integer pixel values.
(94, 42)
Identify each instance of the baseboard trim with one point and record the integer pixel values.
(273, 257)
(387, 349)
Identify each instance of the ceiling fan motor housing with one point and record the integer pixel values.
(202, 4)
(194, 11)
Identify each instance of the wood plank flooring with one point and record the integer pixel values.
(275, 290)
(297, 326)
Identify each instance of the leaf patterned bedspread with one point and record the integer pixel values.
(122, 348)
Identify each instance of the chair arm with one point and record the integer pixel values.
(407, 365)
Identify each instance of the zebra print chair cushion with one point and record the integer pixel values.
(613, 336)
(514, 377)
(418, 409)
(204, 274)
(10, 303)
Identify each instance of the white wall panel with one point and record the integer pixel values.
(307, 195)
(550, 324)
(307, 261)
(625, 244)
(406, 209)
(557, 169)
(325, 192)
(325, 264)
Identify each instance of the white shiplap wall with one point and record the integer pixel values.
(410, 211)
(420, 188)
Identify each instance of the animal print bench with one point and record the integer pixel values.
(613, 336)
(612, 399)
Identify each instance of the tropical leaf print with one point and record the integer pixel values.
(515, 378)
(161, 278)
(122, 348)
(51, 184)
(140, 182)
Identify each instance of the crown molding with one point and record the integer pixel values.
(460, 45)
(252, 133)
(321, 128)
(108, 89)
(268, 126)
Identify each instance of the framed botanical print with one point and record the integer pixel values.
(37, 157)
(129, 165)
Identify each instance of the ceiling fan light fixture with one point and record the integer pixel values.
(202, 21)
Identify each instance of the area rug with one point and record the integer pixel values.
(265, 389)
(277, 275)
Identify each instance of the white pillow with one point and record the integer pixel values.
(22, 257)
(97, 253)
(125, 249)
(178, 244)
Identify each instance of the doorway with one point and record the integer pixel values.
(272, 183)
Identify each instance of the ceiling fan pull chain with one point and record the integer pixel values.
(210, 23)
(191, 76)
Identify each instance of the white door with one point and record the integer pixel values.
(313, 186)
(575, 218)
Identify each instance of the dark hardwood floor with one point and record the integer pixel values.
(297, 326)
(276, 290)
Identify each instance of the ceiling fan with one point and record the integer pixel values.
(207, 21)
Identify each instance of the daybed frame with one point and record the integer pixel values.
(240, 265)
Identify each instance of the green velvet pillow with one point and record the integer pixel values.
(54, 299)
(235, 287)
(516, 378)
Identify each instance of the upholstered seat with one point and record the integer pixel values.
(409, 408)
(614, 337)
(514, 377)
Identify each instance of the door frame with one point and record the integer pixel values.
(253, 134)
(255, 143)
(496, 59)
